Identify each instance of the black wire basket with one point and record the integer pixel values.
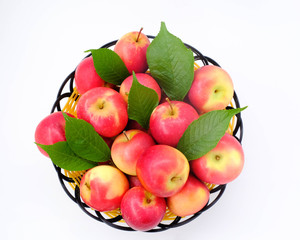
(70, 183)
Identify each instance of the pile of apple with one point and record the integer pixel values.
(147, 174)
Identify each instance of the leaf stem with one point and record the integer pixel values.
(137, 39)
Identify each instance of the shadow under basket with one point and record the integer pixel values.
(70, 181)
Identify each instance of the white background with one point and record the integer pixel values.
(257, 42)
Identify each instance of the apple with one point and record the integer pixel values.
(132, 124)
(103, 187)
(128, 147)
(222, 164)
(190, 199)
(162, 170)
(134, 181)
(110, 85)
(144, 79)
(86, 76)
(212, 89)
(169, 120)
(142, 210)
(51, 130)
(105, 109)
(164, 97)
(108, 141)
(132, 48)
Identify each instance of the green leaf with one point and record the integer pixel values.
(85, 141)
(62, 155)
(109, 65)
(203, 134)
(171, 63)
(141, 102)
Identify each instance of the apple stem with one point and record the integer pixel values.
(124, 132)
(148, 197)
(101, 105)
(175, 179)
(137, 39)
(88, 185)
(171, 106)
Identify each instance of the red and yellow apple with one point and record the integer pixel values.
(190, 199)
(103, 187)
(169, 120)
(144, 79)
(86, 76)
(105, 109)
(51, 130)
(142, 210)
(128, 147)
(162, 170)
(222, 164)
(212, 89)
(132, 48)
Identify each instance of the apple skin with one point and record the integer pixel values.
(105, 109)
(103, 187)
(51, 130)
(142, 210)
(144, 79)
(132, 52)
(126, 149)
(109, 141)
(190, 199)
(110, 85)
(132, 124)
(86, 76)
(162, 170)
(134, 181)
(222, 164)
(167, 126)
(163, 97)
(212, 89)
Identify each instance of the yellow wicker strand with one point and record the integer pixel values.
(196, 66)
(70, 106)
(210, 186)
(169, 215)
(69, 174)
(109, 214)
(232, 122)
(114, 213)
(76, 176)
